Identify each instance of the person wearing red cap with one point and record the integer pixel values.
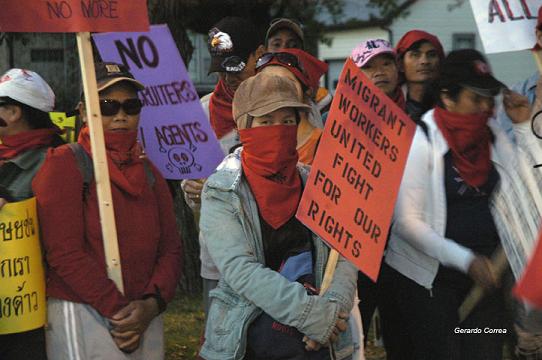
(305, 70)
(26, 133)
(419, 55)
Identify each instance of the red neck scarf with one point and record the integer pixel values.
(468, 137)
(399, 98)
(14, 145)
(220, 110)
(269, 161)
(126, 168)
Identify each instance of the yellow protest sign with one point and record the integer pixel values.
(22, 294)
(61, 120)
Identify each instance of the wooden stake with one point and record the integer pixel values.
(99, 159)
(330, 270)
(538, 59)
(499, 264)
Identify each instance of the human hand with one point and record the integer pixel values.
(136, 316)
(192, 191)
(341, 324)
(127, 342)
(481, 271)
(517, 106)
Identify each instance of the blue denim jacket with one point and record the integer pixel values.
(229, 219)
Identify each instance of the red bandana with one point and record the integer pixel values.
(124, 161)
(269, 161)
(13, 145)
(220, 110)
(468, 137)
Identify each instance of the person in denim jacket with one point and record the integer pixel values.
(248, 215)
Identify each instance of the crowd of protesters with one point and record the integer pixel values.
(469, 191)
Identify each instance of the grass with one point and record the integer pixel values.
(183, 325)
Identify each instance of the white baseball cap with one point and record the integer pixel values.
(28, 88)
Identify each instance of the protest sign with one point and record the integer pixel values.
(506, 25)
(174, 130)
(73, 16)
(351, 190)
(529, 286)
(67, 123)
(22, 294)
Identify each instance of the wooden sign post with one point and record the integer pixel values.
(99, 159)
(83, 17)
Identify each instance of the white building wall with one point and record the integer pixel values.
(443, 18)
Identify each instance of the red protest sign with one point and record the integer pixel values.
(351, 191)
(529, 286)
(74, 16)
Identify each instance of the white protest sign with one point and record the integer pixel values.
(506, 25)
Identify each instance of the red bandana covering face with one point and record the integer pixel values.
(14, 145)
(126, 168)
(269, 160)
(468, 137)
(220, 110)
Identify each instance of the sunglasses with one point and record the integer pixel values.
(233, 64)
(109, 107)
(282, 57)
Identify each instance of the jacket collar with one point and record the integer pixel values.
(28, 159)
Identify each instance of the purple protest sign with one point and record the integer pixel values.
(173, 130)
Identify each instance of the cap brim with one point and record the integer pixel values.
(285, 24)
(487, 87)
(110, 82)
(269, 108)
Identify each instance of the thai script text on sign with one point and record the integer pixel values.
(22, 294)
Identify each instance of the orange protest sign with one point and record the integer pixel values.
(74, 16)
(351, 191)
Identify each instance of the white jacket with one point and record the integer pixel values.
(417, 243)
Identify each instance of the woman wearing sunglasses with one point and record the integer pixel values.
(466, 191)
(88, 316)
(305, 71)
(270, 265)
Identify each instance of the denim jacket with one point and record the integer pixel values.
(229, 219)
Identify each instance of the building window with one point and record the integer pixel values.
(463, 41)
(47, 55)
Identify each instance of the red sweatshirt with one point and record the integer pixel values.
(149, 242)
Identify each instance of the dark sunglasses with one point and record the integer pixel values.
(282, 57)
(233, 64)
(110, 107)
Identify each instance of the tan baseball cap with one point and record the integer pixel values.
(262, 94)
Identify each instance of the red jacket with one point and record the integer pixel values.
(149, 242)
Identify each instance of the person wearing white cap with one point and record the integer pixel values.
(26, 132)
